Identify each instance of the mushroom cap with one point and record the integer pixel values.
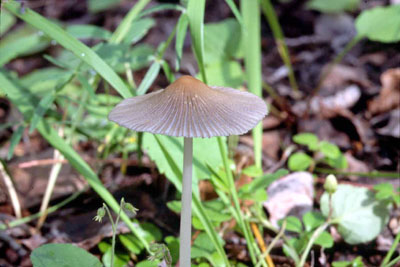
(190, 108)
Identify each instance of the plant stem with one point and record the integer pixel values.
(314, 237)
(391, 250)
(283, 50)
(233, 194)
(335, 61)
(252, 51)
(114, 230)
(393, 262)
(186, 212)
(373, 174)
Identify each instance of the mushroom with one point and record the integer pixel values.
(189, 108)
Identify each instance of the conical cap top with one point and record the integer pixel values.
(190, 108)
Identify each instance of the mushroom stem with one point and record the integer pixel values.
(186, 211)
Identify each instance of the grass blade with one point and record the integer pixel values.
(252, 59)
(126, 23)
(195, 13)
(149, 78)
(15, 138)
(235, 11)
(283, 50)
(40, 110)
(25, 102)
(180, 39)
(70, 43)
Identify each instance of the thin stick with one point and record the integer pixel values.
(55, 170)
(11, 190)
(261, 243)
(186, 213)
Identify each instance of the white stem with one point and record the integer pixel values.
(186, 211)
(11, 190)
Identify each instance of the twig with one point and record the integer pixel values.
(11, 190)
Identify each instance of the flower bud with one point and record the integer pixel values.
(330, 184)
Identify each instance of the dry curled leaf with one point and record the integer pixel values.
(389, 97)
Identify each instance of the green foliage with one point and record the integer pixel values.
(101, 5)
(359, 216)
(65, 255)
(357, 262)
(88, 32)
(386, 191)
(337, 6)
(120, 258)
(6, 21)
(15, 138)
(380, 24)
(300, 161)
(138, 30)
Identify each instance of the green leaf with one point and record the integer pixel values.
(299, 161)
(360, 217)
(380, 24)
(21, 42)
(181, 30)
(312, 220)
(357, 262)
(221, 43)
(101, 5)
(121, 259)
(324, 240)
(292, 224)
(131, 243)
(252, 171)
(167, 152)
(138, 30)
(40, 110)
(147, 263)
(6, 21)
(225, 73)
(308, 139)
(67, 41)
(263, 182)
(336, 6)
(85, 31)
(149, 78)
(195, 13)
(15, 138)
(330, 150)
(65, 255)
(384, 191)
(337, 163)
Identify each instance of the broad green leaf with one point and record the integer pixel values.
(84, 31)
(15, 138)
(174, 146)
(138, 30)
(329, 150)
(20, 42)
(149, 78)
(328, 6)
(221, 43)
(169, 162)
(147, 263)
(67, 41)
(6, 21)
(181, 31)
(101, 5)
(173, 246)
(357, 262)
(258, 196)
(324, 240)
(381, 24)
(337, 163)
(132, 243)
(40, 110)
(225, 73)
(121, 259)
(65, 255)
(292, 224)
(359, 216)
(299, 161)
(308, 139)
(312, 220)
(385, 191)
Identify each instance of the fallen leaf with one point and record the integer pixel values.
(389, 97)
